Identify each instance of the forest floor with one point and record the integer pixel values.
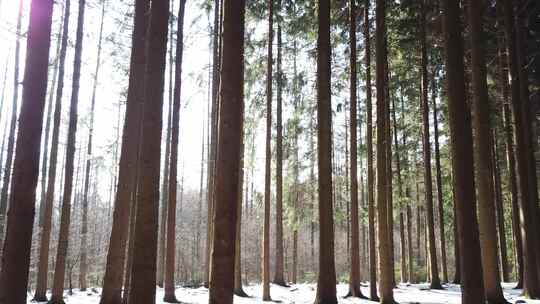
(305, 294)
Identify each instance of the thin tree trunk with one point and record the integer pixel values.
(268, 161)
(50, 106)
(457, 251)
(173, 184)
(370, 174)
(65, 219)
(143, 273)
(4, 195)
(440, 200)
(278, 274)
(462, 163)
(45, 236)
(354, 280)
(162, 234)
(435, 282)
(499, 207)
(125, 194)
(326, 283)
(18, 241)
(238, 290)
(228, 158)
(509, 144)
(84, 229)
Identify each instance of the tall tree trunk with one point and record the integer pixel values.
(483, 149)
(435, 282)
(499, 207)
(45, 235)
(326, 283)
(228, 157)
(462, 158)
(521, 120)
(386, 281)
(65, 219)
(162, 234)
(211, 171)
(127, 172)
(50, 106)
(510, 155)
(354, 280)
(268, 160)
(4, 195)
(403, 262)
(84, 229)
(278, 274)
(173, 179)
(18, 241)
(143, 272)
(440, 200)
(296, 197)
(370, 174)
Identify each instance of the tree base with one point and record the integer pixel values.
(40, 298)
(374, 298)
(280, 283)
(240, 292)
(436, 286)
(170, 299)
(355, 292)
(56, 301)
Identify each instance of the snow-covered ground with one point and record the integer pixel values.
(305, 293)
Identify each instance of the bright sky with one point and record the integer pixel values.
(112, 82)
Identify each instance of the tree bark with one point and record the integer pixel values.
(499, 207)
(278, 274)
(173, 179)
(483, 149)
(462, 159)
(354, 280)
(268, 161)
(65, 219)
(435, 282)
(228, 157)
(440, 200)
(386, 281)
(127, 172)
(143, 272)
(326, 283)
(45, 235)
(370, 174)
(218, 8)
(18, 241)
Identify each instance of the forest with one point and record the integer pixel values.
(287, 151)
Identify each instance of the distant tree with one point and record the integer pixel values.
(65, 218)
